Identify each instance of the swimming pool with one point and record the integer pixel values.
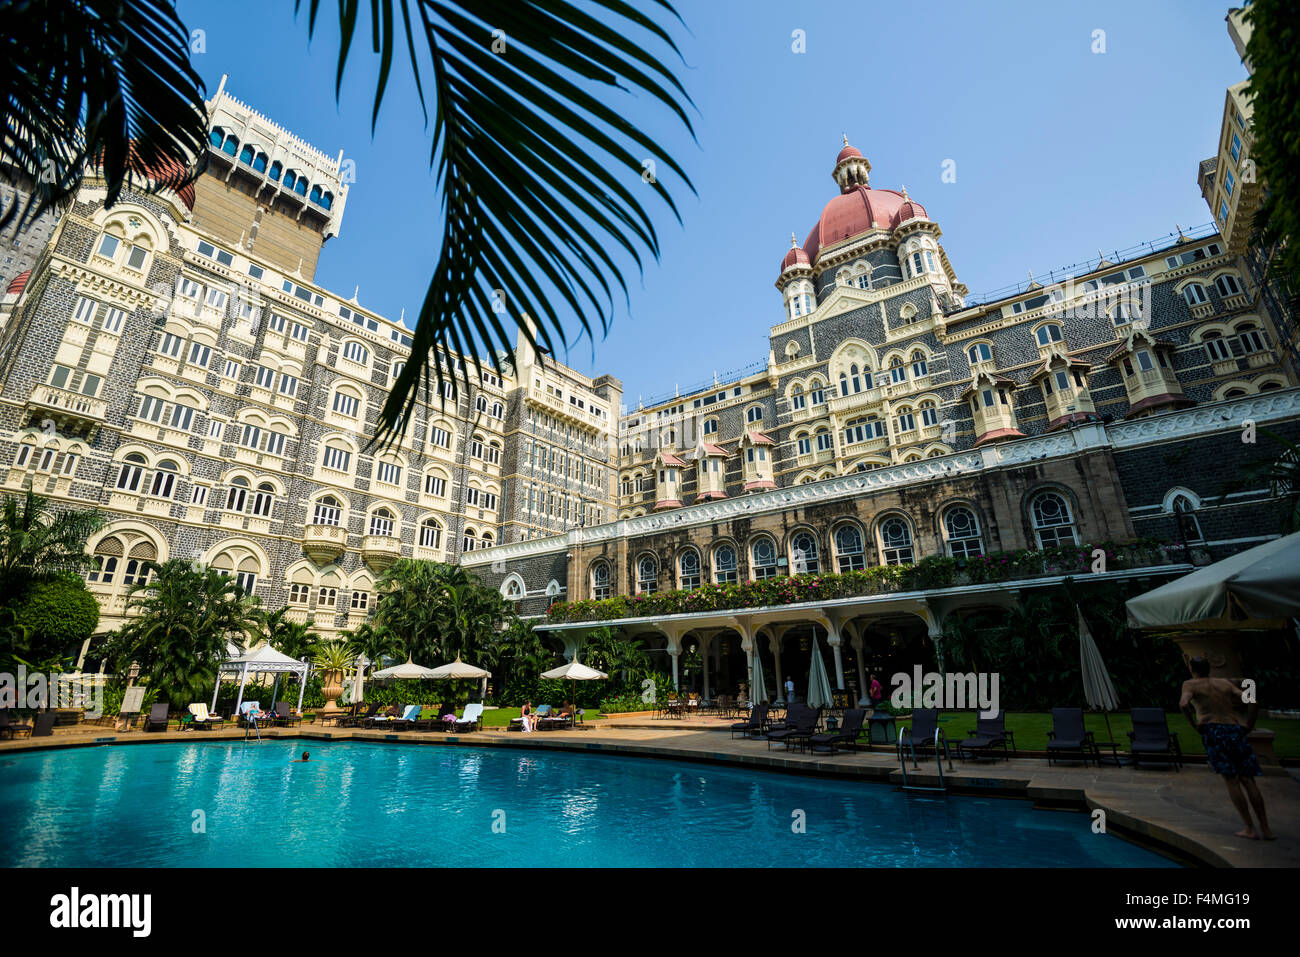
(358, 804)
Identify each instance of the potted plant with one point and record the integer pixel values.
(332, 658)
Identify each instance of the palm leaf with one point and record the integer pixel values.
(541, 175)
(101, 82)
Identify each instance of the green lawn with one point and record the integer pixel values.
(1031, 730)
(500, 717)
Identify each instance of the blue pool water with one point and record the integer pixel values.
(385, 805)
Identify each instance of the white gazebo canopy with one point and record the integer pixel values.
(1255, 588)
(262, 660)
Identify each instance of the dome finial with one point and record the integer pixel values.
(793, 242)
(905, 196)
(846, 138)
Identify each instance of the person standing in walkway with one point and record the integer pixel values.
(789, 690)
(1211, 706)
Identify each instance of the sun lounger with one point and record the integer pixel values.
(157, 717)
(1068, 736)
(44, 724)
(251, 715)
(921, 733)
(754, 725)
(800, 725)
(202, 719)
(359, 719)
(989, 733)
(1152, 738)
(12, 727)
(472, 719)
(828, 742)
(284, 714)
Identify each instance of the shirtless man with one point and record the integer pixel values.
(1210, 705)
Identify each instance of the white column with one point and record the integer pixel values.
(705, 641)
(215, 689)
(243, 679)
(864, 699)
(833, 639)
(777, 632)
(302, 684)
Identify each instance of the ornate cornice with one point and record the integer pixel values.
(1202, 420)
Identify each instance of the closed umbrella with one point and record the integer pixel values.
(757, 686)
(819, 683)
(1098, 690)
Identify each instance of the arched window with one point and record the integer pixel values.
(263, 500)
(430, 534)
(237, 494)
(1227, 285)
(647, 575)
(980, 352)
(276, 168)
(897, 371)
(128, 479)
(600, 584)
(689, 569)
(1048, 334)
(803, 554)
(381, 523)
(724, 565)
(470, 541)
(246, 156)
(920, 367)
(849, 555)
(710, 426)
(1251, 339)
(896, 541)
(797, 399)
(817, 393)
(754, 414)
(356, 352)
(1216, 347)
(763, 555)
(1189, 527)
(328, 511)
(104, 568)
(962, 530)
(1053, 523)
(1194, 294)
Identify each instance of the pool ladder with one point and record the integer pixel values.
(252, 723)
(911, 747)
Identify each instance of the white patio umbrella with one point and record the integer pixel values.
(459, 669)
(575, 671)
(1098, 690)
(407, 670)
(819, 683)
(1254, 588)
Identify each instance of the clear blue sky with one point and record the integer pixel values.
(1058, 150)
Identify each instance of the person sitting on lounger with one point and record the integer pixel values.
(526, 712)
(1210, 705)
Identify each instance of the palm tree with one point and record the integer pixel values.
(540, 173)
(469, 614)
(293, 638)
(181, 619)
(37, 542)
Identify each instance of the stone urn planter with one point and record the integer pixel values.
(331, 688)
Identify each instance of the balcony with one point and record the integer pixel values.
(380, 551)
(324, 543)
(72, 412)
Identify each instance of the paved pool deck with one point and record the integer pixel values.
(1186, 812)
